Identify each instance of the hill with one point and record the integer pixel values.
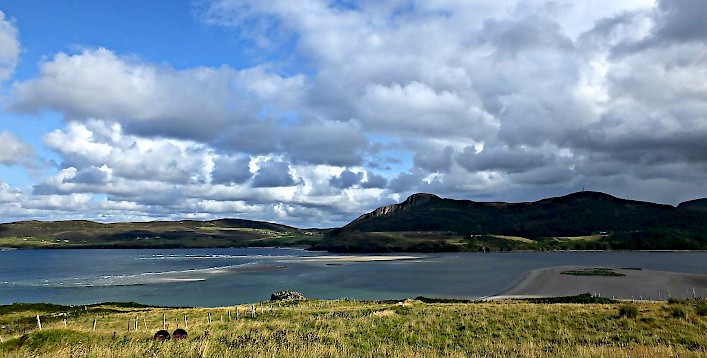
(694, 205)
(582, 220)
(156, 234)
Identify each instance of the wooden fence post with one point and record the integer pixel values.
(186, 322)
(39, 323)
(164, 321)
(94, 324)
(209, 316)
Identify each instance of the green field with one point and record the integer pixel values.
(361, 329)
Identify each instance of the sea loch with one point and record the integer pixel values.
(221, 277)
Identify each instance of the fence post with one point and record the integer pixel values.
(164, 321)
(94, 324)
(186, 322)
(39, 323)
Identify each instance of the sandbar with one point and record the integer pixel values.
(355, 258)
(636, 284)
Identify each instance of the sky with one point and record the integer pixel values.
(310, 113)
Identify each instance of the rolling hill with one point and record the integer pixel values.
(582, 220)
(156, 234)
(423, 222)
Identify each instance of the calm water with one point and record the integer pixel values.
(220, 277)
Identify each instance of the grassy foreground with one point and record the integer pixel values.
(361, 329)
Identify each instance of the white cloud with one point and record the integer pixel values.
(8, 195)
(9, 47)
(504, 100)
(13, 150)
(150, 99)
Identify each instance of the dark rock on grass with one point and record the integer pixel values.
(287, 295)
(162, 335)
(179, 334)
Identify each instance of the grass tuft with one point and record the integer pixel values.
(628, 311)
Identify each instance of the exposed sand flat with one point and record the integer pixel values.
(637, 284)
(248, 268)
(355, 258)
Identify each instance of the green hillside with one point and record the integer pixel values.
(157, 234)
(342, 328)
(583, 220)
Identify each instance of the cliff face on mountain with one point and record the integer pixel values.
(413, 201)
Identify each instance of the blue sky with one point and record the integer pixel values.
(310, 113)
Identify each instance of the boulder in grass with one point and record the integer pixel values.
(162, 335)
(179, 334)
(287, 295)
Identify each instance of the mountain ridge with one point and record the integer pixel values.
(450, 223)
(421, 222)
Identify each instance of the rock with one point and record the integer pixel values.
(286, 296)
(179, 334)
(162, 335)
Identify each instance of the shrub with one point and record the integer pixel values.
(701, 307)
(678, 311)
(628, 311)
(581, 298)
(676, 301)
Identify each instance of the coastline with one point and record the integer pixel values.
(634, 284)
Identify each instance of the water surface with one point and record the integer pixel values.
(220, 277)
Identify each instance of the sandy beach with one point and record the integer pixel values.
(354, 258)
(636, 284)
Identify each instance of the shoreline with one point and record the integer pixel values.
(634, 284)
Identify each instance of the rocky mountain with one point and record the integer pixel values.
(425, 221)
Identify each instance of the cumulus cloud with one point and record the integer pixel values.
(9, 47)
(273, 174)
(151, 99)
(512, 100)
(231, 170)
(346, 179)
(9, 195)
(13, 150)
